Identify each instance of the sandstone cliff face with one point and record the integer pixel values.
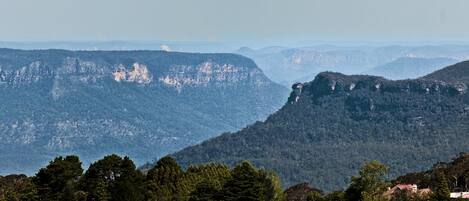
(208, 73)
(139, 73)
(80, 71)
(139, 103)
(328, 83)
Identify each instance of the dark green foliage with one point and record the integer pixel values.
(205, 191)
(166, 170)
(271, 186)
(216, 174)
(341, 121)
(335, 196)
(315, 196)
(441, 190)
(250, 184)
(113, 178)
(369, 184)
(17, 187)
(164, 181)
(456, 173)
(167, 181)
(58, 180)
(442, 178)
(244, 184)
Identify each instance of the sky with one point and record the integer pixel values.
(234, 20)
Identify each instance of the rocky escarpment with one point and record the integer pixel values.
(138, 73)
(211, 73)
(140, 103)
(81, 67)
(333, 124)
(329, 83)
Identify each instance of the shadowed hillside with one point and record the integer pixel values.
(334, 123)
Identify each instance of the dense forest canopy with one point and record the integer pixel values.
(334, 123)
(115, 178)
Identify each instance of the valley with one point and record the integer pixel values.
(144, 104)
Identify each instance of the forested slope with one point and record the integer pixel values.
(331, 125)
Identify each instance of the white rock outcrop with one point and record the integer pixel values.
(139, 73)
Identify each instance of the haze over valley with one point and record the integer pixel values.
(247, 100)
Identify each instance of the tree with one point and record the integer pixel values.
(10, 195)
(315, 196)
(19, 187)
(244, 185)
(164, 180)
(335, 196)
(113, 178)
(441, 191)
(130, 184)
(250, 184)
(369, 185)
(56, 180)
(216, 174)
(205, 191)
(271, 186)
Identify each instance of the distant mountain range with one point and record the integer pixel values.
(186, 46)
(289, 65)
(410, 67)
(333, 124)
(144, 104)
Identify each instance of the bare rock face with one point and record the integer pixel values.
(139, 73)
(208, 73)
(144, 104)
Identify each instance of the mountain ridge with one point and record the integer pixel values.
(410, 67)
(334, 123)
(287, 65)
(139, 103)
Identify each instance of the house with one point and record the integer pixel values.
(406, 188)
(459, 195)
(412, 188)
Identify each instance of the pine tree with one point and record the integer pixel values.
(130, 184)
(56, 180)
(441, 191)
(164, 181)
(244, 185)
(205, 191)
(113, 178)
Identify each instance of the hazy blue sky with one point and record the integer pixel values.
(223, 20)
